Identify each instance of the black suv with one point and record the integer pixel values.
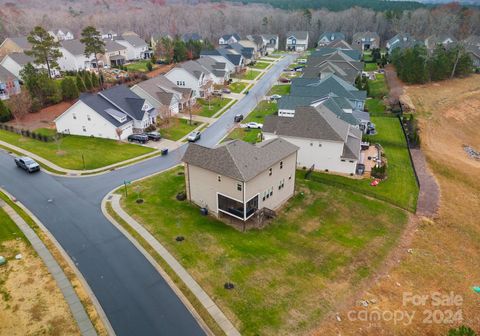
(140, 138)
(155, 136)
(238, 117)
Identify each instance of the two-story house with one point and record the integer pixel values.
(193, 76)
(237, 179)
(297, 41)
(73, 56)
(112, 114)
(366, 40)
(9, 84)
(115, 54)
(271, 42)
(162, 94)
(229, 39)
(329, 37)
(137, 48)
(234, 61)
(325, 142)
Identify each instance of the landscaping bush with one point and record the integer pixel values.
(95, 80)
(5, 114)
(80, 84)
(87, 80)
(149, 66)
(380, 172)
(69, 89)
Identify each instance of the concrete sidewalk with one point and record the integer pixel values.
(215, 312)
(79, 314)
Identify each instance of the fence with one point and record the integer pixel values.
(30, 134)
(409, 152)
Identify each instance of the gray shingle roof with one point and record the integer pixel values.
(22, 42)
(299, 35)
(134, 40)
(341, 44)
(368, 36)
(332, 36)
(191, 36)
(112, 46)
(228, 36)
(325, 52)
(238, 159)
(162, 88)
(75, 47)
(121, 97)
(102, 106)
(21, 58)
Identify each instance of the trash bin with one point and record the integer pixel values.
(165, 151)
(204, 211)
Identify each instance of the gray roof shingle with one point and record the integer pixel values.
(5, 75)
(75, 47)
(237, 159)
(299, 35)
(120, 96)
(22, 42)
(21, 58)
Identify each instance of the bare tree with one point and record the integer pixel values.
(119, 132)
(20, 105)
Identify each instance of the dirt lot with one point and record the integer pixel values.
(43, 118)
(443, 255)
(31, 302)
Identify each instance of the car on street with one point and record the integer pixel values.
(238, 117)
(27, 164)
(254, 124)
(155, 136)
(194, 136)
(139, 138)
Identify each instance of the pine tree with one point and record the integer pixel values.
(95, 82)
(69, 89)
(44, 50)
(80, 84)
(87, 80)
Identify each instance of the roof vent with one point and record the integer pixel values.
(119, 116)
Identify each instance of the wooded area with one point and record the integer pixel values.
(210, 20)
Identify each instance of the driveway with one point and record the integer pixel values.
(134, 296)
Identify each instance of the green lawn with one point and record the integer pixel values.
(377, 88)
(45, 131)
(371, 66)
(260, 65)
(261, 111)
(293, 65)
(245, 134)
(8, 230)
(237, 87)
(400, 187)
(290, 274)
(267, 60)
(375, 106)
(247, 75)
(281, 90)
(69, 150)
(140, 66)
(208, 109)
(178, 128)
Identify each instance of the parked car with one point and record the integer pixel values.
(253, 124)
(225, 90)
(194, 136)
(302, 61)
(140, 138)
(27, 164)
(155, 136)
(217, 93)
(284, 80)
(275, 97)
(238, 117)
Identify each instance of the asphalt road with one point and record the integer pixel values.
(134, 296)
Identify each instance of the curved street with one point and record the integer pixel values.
(134, 296)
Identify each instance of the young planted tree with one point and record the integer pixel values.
(87, 79)
(94, 45)
(80, 84)
(95, 80)
(165, 49)
(69, 89)
(119, 132)
(45, 50)
(19, 106)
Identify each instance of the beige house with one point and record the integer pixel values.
(238, 178)
(115, 54)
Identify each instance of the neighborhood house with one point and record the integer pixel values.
(297, 41)
(112, 114)
(238, 179)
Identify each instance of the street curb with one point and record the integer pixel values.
(154, 263)
(78, 274)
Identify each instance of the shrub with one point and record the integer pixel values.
(5, 114)
(95, 82)
(69, 89)
(149, 66)
(380, 172)
(87, 79)
(80, 84)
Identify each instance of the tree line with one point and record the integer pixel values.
(176, 50)
(418, 65)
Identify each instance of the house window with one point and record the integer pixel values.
(319, 145)
(84, 128)
(74, 116)
(351, 161)
(281, 164)
(219, 178)
(271, 191)
(264, 195)
(290, 177)
(88, 117)
(239, 186)
(269, 171)
(311, 143)
(342, 160)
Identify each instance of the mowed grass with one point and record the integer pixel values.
(400, 187)
(140, 66)
(282, 90)
(177, 128)
(370, 66)
(8, 229)
(375, 106)
(248, 74)
(245, 134)
(377, 88)
(260, 65)
(208, 108)
(288, 275)
(237, 87)
(69, 150)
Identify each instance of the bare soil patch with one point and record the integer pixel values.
(43, 118)
(442, 253)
